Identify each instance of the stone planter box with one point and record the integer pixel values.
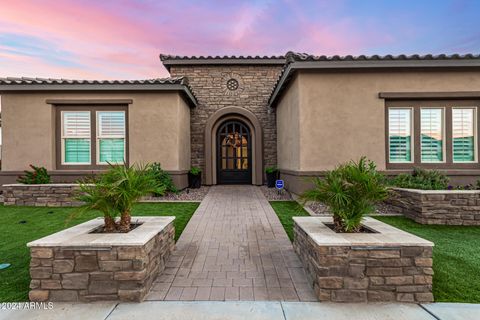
(41, 195)
(76, 265)
(388, 266)
(444, 207)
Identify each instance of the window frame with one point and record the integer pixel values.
(416, 105)
(93, 109)
(475, 134)
(63, 138)
(98, 137)
(444, 134)
(412, 137)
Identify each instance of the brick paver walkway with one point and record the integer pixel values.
(233, 248)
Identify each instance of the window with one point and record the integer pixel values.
(91, 137)
(463, 134)
(76, 137)
(400, 135)
(440, 134)
(431, 133)
(111, 136)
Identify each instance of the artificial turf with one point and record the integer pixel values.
(456, 258)
(21, 225)
(285, 210)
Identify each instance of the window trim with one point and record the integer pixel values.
(98, 138)
(416, 104)
(475, 134)
(63, 138)
(444, 134)
(412, 136)
(93, 140)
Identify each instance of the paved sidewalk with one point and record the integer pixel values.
(250, 310)
(233, 248)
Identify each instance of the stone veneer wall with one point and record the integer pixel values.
(208, 83)
(443, 207)
(123, 273)
(40, 195)
(366, 274)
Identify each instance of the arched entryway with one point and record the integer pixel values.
(234, 156)
(249, 124)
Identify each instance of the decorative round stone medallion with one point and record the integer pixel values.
(232, 84)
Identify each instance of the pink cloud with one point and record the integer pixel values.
(122, 39)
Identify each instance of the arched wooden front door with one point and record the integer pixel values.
(234, 160)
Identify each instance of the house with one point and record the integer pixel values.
(233, 116)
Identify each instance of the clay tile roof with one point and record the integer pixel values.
(46, 81)
(295, 56)
(166, 57)
(296, 61)
(25, 83)
(174, 60)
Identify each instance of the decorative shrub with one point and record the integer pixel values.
(163, 178)
(351, 192)
(116, 191)
(269, 170)
(39, 175)
(195, 171)
(421, 179)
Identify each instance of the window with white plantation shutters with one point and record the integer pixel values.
(400, 135)
(110, 137)
(76, 137)
(463, 134)
(431, 131)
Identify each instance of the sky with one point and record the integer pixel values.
(122, 39)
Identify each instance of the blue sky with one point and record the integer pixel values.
(122, 39)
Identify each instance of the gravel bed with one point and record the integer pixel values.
(184, 195)
(272, 194)
(381, 209)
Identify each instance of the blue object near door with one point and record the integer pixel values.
(279, 184)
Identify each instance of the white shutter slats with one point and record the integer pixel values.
(111, 124)
(400, 134)
(76, 124)
(111, 136)
(463, 133)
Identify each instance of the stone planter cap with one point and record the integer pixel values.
(43, 185)
(419, 191)
(79, 236)
(387, 235)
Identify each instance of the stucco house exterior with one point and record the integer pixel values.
(234, 116)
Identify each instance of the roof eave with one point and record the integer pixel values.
(101, 87)
(363, 65)
(219, 62)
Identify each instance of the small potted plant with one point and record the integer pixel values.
(272, 176)
(195, 178)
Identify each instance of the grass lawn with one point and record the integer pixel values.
(456, 258)
(285, 210)
(40, 222)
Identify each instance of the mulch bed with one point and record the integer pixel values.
(184, 195)
(272, 194)
(381, 209)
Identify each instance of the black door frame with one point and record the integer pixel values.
(233, 176)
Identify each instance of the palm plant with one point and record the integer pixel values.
(116, 191)
(350, 191)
